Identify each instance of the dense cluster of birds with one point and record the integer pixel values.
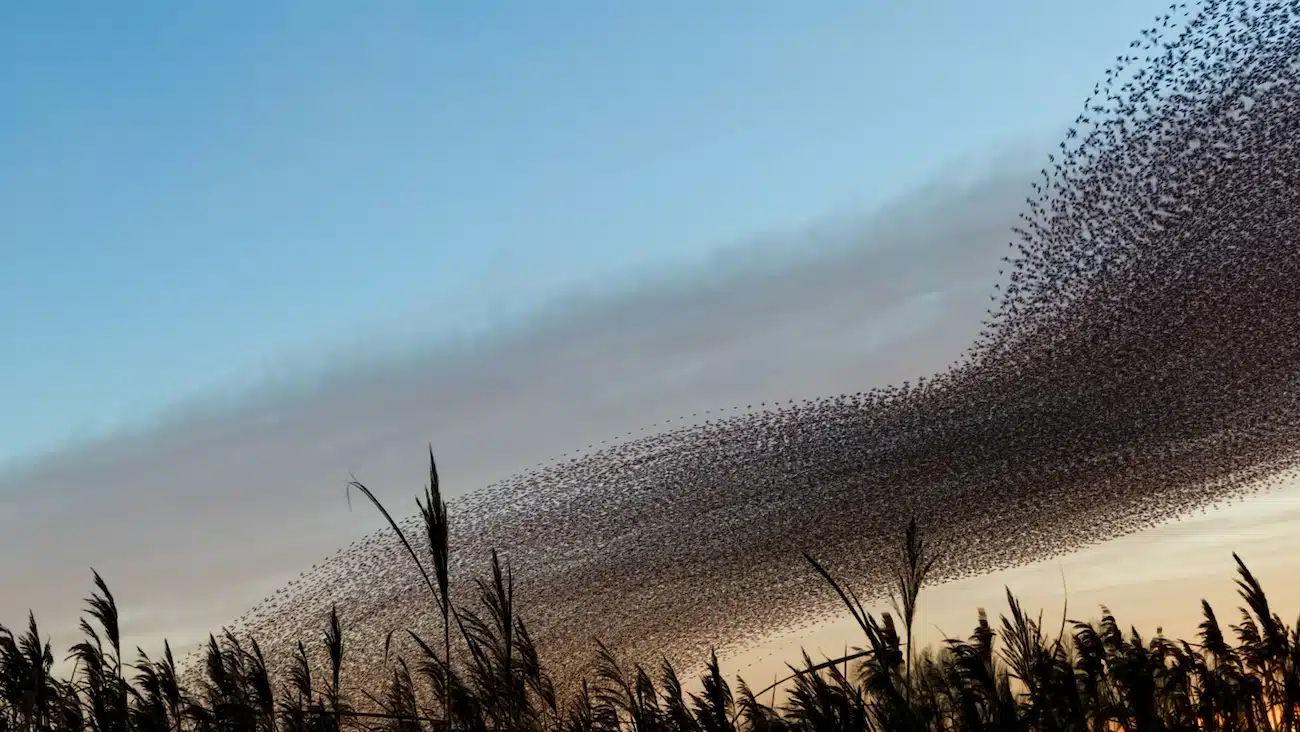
(1139, 361)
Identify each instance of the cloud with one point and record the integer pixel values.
(194, 518)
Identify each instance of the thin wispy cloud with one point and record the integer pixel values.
(195, 517)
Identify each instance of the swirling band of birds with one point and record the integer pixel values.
(1140, 361)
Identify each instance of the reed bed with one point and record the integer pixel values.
(486, 673)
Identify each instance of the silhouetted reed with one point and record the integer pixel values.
(489, 675)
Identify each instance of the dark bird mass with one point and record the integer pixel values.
(1139, 362)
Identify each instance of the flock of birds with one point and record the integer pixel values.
(1140, 361)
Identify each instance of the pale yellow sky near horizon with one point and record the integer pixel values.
(1151, 579)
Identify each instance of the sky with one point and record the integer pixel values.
(249, 249)
(195, 197)
(1153, 581)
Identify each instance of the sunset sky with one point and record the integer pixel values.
(247, 248)
(1151, 580)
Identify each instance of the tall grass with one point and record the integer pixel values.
(487, 673)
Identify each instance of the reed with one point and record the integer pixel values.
(489, 674)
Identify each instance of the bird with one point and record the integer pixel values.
(1137, 364)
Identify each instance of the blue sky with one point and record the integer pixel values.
(191, 192)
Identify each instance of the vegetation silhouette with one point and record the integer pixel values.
(489, 675)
